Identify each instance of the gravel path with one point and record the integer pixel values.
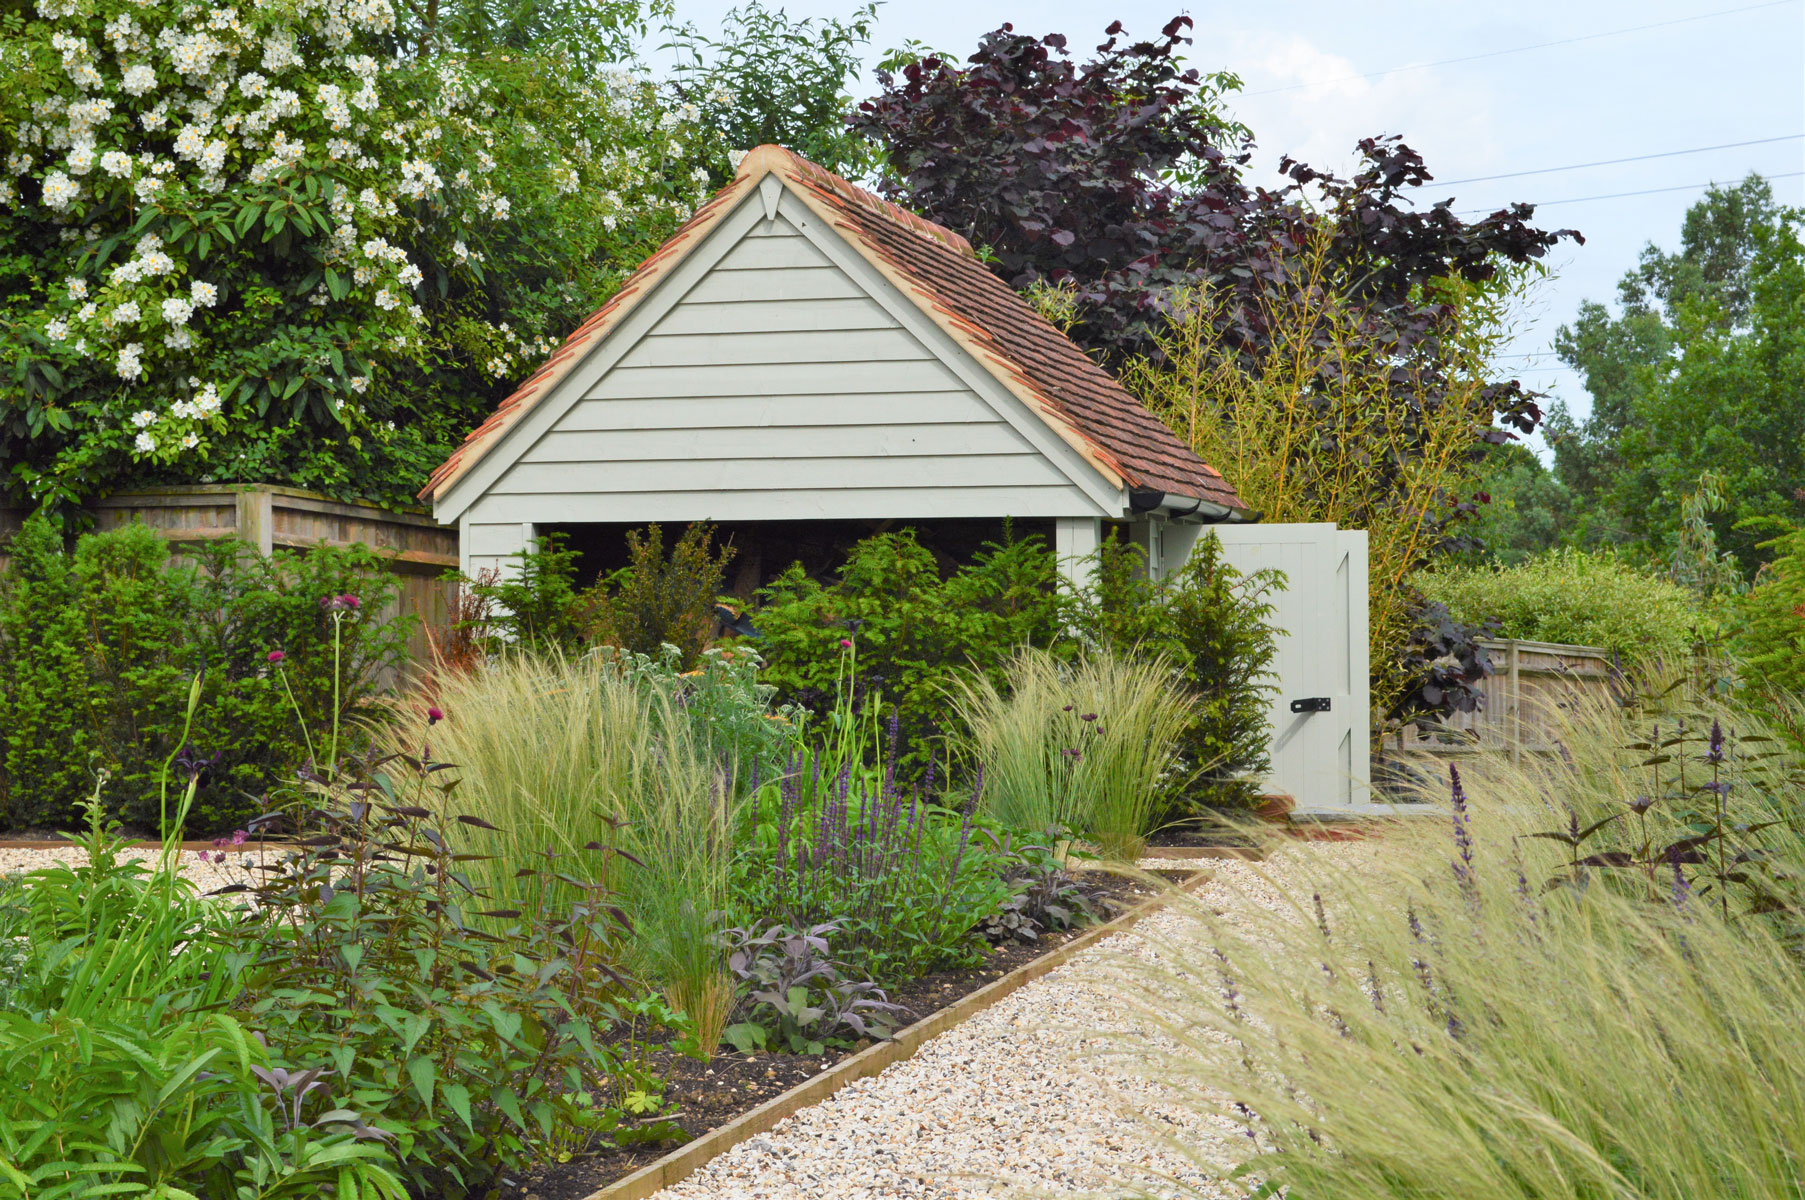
(197, 865)
(1008, 1102)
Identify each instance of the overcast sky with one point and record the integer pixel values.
(1735, 73)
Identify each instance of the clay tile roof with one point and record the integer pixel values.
(938, 270)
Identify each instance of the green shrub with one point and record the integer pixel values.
(1081, 748)
(126, 1075)
(1769, 621)
(913, 628)
(1578, 598)
(1214, 626)
(97, 648)
(533, 606)
(651, 602)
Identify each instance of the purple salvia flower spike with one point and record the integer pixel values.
(890, 754)
(1463, 837)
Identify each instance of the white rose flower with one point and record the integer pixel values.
(203, 294)
(386, 300)
(208, 401)
(144, 417)
(137, 80)
(178, 339)
(190, 142)
(190, 441)
(59, 190)
(78, 287)
(127, 313)
(360, 383)
(177, 310)
(145, 444)
(56, 330)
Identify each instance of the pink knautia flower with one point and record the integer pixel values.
(275, 656)
(344, 603)
(845, 643)
(434, 715)
(239, 836)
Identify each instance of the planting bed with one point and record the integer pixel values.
(712, 1094)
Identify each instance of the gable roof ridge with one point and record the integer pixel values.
(938, 270)
(787, 162)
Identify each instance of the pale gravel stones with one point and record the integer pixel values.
(207, 875)
(1014, 1100)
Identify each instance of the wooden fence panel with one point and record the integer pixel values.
(1533, 683)
(419, 549)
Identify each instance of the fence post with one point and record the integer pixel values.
(256, 519)
(1516, 703)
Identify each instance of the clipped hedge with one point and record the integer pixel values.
(98, 647)
(1578, 598)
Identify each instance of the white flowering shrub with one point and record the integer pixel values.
(253, 244)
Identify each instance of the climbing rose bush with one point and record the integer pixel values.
(249, 243)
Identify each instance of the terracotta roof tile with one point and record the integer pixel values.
(938, 269)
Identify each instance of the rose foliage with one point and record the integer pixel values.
(253, 243)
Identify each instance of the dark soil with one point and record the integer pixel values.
(709, 1095)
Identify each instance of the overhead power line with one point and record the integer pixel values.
(1588, 37)
(1684, 187)
(1611, 162)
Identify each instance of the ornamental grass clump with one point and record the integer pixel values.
(1083, 748)
(561, 753)
(1499, 1004)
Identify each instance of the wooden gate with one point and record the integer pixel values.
(1321, 713)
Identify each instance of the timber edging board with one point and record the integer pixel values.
(684, 1161)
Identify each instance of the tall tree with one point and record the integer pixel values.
(1701, 369)
(769, 78)
(1120, 178)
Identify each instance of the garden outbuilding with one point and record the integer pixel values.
(805, 364)
(803, 357)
